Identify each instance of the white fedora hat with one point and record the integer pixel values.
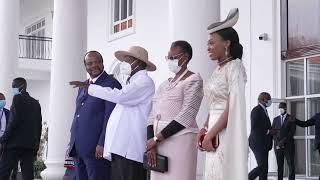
(231, 20)
(138, 52)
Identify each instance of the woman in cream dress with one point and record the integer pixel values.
(225, 92)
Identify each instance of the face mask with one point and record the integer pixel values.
(2, 103)
(282, 111)
(125, 68)
(269, 102)
(173, 65)
(15, 91)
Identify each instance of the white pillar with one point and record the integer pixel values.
(68, 48)
(188, 20)
(9, 23)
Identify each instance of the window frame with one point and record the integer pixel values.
(306, 97)
(122, 33)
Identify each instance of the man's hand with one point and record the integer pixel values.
(79, 84)
(99, 152)
(273, 131)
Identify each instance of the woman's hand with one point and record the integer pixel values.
(201, 133)
(207, 144)
(151, 144)
(152, 157)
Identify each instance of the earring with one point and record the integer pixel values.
(226, 53)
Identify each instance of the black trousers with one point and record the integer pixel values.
(319, 154)
(125, 169)
(287, 153)
(10, 159)
(262, 169)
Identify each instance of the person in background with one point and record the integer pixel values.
(4, 119)
(21, 139)
(260, 139)
(172, 127)
(284, 146)
(313, 121)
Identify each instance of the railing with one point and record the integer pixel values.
(33, 47)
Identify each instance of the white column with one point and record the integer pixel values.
(188, 20)
(9, 36)
(68, 48)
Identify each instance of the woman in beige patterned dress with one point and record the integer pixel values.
(172, 129)
(225, 92)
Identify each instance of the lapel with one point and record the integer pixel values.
(7, 113)
(265, 116)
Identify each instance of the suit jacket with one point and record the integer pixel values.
(259, 139)
(7, 115)
(314, 121)
(90, 119)
(25, 123)
(285, 132)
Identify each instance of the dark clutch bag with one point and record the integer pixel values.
(161, 164)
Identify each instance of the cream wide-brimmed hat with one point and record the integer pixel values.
(231, 20)
(138, 52)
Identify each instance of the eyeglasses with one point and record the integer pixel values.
(173, 57)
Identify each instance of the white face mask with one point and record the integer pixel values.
(125, 68)
(173, 65)
(282, 111)
(269, 102)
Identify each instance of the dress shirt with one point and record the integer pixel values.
(3, 122)
(126, 133)
(96, 78)
(283, 117)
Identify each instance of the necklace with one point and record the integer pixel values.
(173, 84)
(226, 60)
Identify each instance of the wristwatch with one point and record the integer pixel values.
(156, 139)
(205, 128)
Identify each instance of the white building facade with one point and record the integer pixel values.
(55, 34)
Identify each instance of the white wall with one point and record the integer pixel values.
(151, 33)
(33, 10)
(40, 90)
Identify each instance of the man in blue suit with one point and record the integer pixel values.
(89, 123)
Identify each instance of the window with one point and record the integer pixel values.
(300, 28)
(303, 97)
(122, 18)
(36, 29)
(36, 47)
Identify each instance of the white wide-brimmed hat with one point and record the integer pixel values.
(231, 20)
(138, 52)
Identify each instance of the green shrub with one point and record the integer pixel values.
(38, 166)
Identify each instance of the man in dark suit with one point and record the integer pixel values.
(4, 114)
(313, 121)
(283, 141)
(21, 139)
(4, 119)
(260, 139)
(89, 123)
